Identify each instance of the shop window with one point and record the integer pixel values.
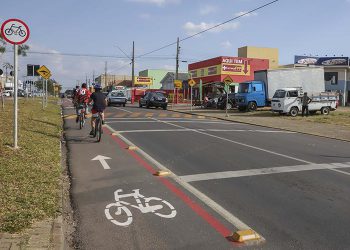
(331, 77)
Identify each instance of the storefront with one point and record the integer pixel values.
(232, 70)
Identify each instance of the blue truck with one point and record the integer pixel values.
(259, 92)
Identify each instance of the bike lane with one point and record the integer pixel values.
(190, 225)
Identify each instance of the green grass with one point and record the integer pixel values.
(29, 176)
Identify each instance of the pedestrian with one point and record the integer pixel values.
(305, 100)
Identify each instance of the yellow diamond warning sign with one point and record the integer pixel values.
(44, 72)
(191, 82)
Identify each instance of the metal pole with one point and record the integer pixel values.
(133, 73)
(46, 93)
(177, 59)
(15, 106)
(43, 93)
(191, 99)
(226, 100)
(344, 94)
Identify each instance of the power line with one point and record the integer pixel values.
(215, 26)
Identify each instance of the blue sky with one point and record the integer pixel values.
(296, 27)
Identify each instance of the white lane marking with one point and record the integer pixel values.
(249, 130)
(240, 225)
(102, 159)
(123, 110)
(196, 122)
(165, 119)
(239, 143)
(260, 171)
(145, 121)
(154, 130)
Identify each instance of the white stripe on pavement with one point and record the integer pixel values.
(123, 110)
(262, 171)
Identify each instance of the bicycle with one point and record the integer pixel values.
(124, 214)
(16, 30)
(98, 127)
(81, 116)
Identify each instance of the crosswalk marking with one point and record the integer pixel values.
(176, 115)
(149, 114)
(136, 114)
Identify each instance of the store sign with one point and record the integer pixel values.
(140, 80)
(321, 61)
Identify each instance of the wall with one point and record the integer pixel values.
(156, 74)
(260, 53)
(339, 87)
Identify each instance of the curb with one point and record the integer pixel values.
(264, 126)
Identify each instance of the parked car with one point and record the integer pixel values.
(6, 93)
(222, 101)
(154, 99)
(116, 97)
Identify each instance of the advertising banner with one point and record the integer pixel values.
(321, 61)
(140, 80)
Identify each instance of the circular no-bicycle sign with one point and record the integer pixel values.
(15, 31)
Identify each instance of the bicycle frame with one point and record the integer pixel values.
(136, 195)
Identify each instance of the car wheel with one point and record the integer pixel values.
(147, 105)
(294, 111)
(252, 106)
(140, 105)
(109, 103)
(123, 104)
(164, 107)
(325, 111)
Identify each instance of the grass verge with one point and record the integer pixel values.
(29, 176)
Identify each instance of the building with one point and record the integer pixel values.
(111, 80)
(260, 53)
(336, 73)
(156, 74)
(226, 69)
(168, 80)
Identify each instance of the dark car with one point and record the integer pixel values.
(222, 101)
(154, 99)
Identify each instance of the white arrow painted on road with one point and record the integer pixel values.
(102, 159)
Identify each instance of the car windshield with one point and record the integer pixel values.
(279, 94)
(117, 94)
(160, 95)
(243, 87)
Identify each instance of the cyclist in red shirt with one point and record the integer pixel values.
(83, 98)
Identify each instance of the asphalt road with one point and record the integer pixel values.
(290, 188)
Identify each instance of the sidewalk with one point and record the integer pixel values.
(267, 119)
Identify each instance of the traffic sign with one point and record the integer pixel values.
(15, 31)
(44, 72)
(191, 82)
(178, 84)
(228, 80)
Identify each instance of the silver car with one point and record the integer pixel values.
(116, 97)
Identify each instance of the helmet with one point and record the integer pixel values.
(97, 86)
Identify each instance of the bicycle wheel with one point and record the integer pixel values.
(81, 121)
(113, 210)
(22, 33)
(166, 213)
(99, 130)
(8, 31)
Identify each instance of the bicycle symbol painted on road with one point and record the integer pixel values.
(15, 30)
(119, 213)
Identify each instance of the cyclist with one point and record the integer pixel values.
(75, 100)
(83, 99)
(99, 104)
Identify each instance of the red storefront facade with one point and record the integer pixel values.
(219, 69)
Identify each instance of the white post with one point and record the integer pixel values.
(191, 99)
(43, 92)
(226, 100)
(46, 92)
(344, 94)
(15, 106)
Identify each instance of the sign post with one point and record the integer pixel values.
(15, 32)
(45, 73)
(191, 83)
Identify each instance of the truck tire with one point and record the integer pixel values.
(294, 111)
(252, 106)
(325, 111)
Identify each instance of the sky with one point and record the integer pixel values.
(108, 28)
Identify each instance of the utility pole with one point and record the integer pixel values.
(106, 74)
(177, 59)
(133, 72)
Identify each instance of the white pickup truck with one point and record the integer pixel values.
(288, 101)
